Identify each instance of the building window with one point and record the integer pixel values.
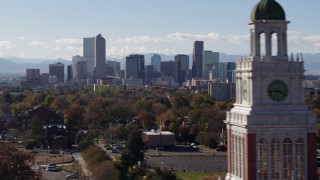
(275, 159)
(287, 158)
(300, 158)
(262, 159)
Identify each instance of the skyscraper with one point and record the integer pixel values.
(169, 68)
(115, 66)
(197, 59)
(78, 69)
(270, 132)
(209, 59)
(57, 70)
(88, 54)
(231, 72)
(94, 51)
(135, 66)
(182, 62)
(156, 62)
(33, 74)
(69, 73)
(220, 70)
(99, 57)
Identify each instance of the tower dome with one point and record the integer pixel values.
(268, 10)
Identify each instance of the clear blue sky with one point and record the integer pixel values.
(55, 28)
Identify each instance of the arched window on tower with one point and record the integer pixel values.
(262, 159)
(262, 44)
(300, 159)
(275, 159)
(287, 159)
(274, 44)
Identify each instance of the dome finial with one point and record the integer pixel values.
(268, 10)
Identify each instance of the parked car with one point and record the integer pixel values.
(53, 151)
(115, 151)
(53, 168)
(72, 175)
(221, 149)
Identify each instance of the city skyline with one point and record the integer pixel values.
(53, 29)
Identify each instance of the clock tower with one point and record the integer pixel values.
(270, 132)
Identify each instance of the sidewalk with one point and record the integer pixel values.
(78, 158)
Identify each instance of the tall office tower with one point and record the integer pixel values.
(156, 62)
(57, 70)
(44, 79)
(209, 59)
(99, 57)
(231, 72)
(33, 74)
(271, 134)
(169, 68)
(88, 54)
(115, 66)
(69, 72)
(197, 59)
(135, 66)
(149, 72)
(220, 70)
(79, 67)
(182, 63)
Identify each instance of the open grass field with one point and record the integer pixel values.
(200, 176)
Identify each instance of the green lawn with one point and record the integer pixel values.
(199, 175)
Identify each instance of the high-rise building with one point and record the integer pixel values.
(88, 54)
(57, 70)
(115, 66)
(156, 62)
(231, 72)
(271, 134)
(149, 72)
(135, 66)
(169, 68)
(209, 59)
(79, 67)
(94, 51)
(99, 57)
(69, 72)
(33, 74)
(182, 63)
(220, 70)
(197, 59)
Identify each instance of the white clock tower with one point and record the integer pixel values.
(270, 132)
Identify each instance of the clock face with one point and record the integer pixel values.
(278, 90)
(244, 90)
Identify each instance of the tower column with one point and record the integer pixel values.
(250, 154)
(257, 51)
(268, 44)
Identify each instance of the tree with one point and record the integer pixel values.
(74, 115)
(37, 129)
(48, 100)
(146, 119)
(13, 163)
(133, 153)
(60, 103)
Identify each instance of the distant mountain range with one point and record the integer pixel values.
(17, 65)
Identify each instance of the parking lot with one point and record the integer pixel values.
(189, 163)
